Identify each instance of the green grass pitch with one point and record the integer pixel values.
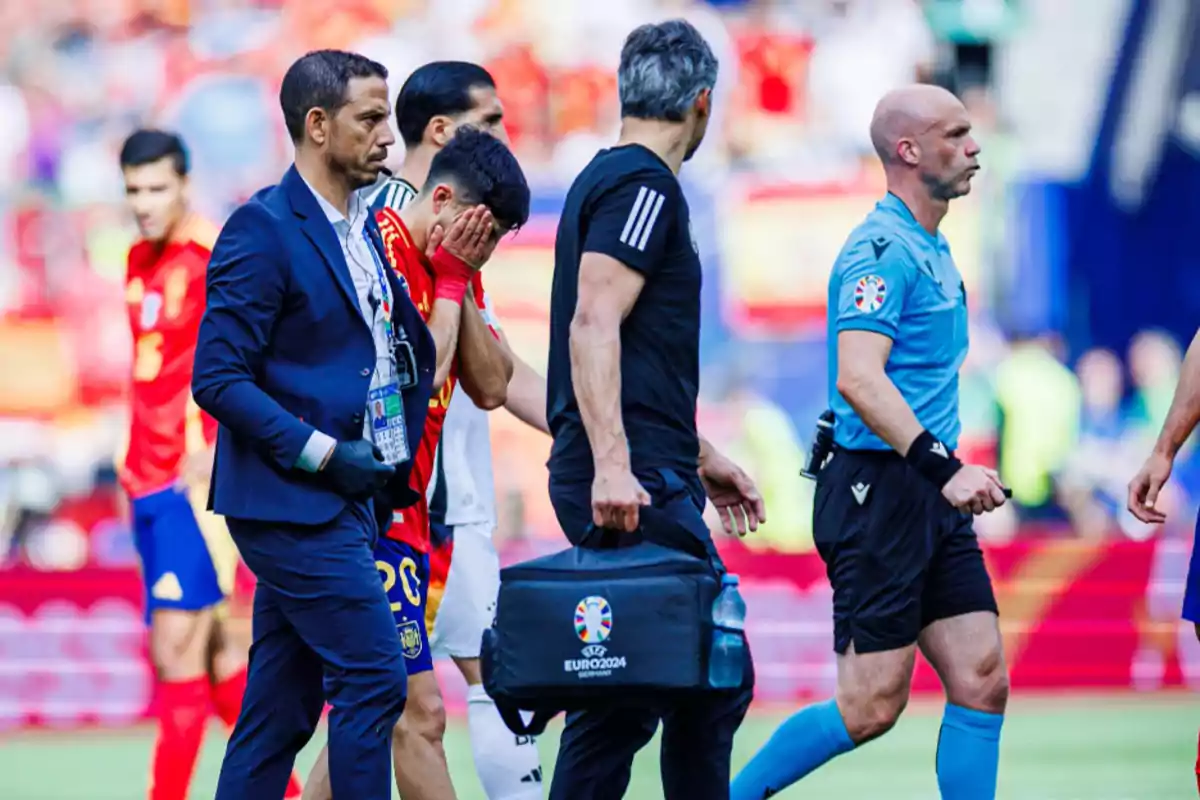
(1126, 747)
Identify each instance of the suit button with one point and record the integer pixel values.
(366, 373)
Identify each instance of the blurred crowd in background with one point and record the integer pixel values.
(785, 174)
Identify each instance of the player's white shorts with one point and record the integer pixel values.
(469, 601)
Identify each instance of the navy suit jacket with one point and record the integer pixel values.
(284, 349)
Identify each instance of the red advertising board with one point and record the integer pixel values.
(1075, 615)
(72, 648)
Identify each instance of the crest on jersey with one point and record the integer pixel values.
(152, 305)
(869, 293)
(410, 639)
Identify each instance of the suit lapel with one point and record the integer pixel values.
(319, 231)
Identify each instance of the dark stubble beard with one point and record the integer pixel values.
(353, 177)
(948, 190)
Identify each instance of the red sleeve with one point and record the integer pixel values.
(198, 286)
(198, 291)
(391, 229)
(137, 257)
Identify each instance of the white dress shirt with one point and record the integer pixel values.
(357, 252)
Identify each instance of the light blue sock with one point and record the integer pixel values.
(968, 754)
(805, 741)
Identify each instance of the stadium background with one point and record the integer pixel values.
(1077, 246)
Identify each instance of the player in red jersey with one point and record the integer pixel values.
(188, 559)
(437, 99)
(474, 195)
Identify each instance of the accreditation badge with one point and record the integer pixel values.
(388, 430)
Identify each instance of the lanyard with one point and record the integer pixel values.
(385, 292)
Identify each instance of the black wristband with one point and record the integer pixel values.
(932, 459)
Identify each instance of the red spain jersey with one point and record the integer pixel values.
(165, 294)
(411, 525)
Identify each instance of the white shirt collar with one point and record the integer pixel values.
(334, 216)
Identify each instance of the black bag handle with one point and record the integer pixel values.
(597, 538)
(510, 712)
(511, 715)
(657, 527)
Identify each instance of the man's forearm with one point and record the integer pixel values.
(879, 403)
(527, 395)
(596, 375)
(1185, 405)
(445, 320)
(485, 367)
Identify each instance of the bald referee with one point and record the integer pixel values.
(893, 508)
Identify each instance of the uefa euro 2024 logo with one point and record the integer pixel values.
(593, 624)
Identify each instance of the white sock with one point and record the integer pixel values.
(508, 765)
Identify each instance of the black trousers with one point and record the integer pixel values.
(898, 556)
(595, 755)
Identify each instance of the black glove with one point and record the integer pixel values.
(383, 512)
(356, 469)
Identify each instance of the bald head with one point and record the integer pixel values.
(910, 112)
(923, 137)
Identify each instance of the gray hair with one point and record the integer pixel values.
(664, 67)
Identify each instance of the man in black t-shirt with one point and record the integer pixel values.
(627, 205)
(621, 393)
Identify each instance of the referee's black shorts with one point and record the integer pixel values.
(898, 556)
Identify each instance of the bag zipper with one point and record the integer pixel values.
(518, 572)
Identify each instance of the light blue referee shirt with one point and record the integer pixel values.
(894, 278)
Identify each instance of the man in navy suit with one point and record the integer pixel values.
(319, 370)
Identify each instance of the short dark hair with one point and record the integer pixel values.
(485, 171)
(664, 67)
(437, 88)
(147, 145)
(319, 80)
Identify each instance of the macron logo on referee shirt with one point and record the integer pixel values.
(642, 217)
